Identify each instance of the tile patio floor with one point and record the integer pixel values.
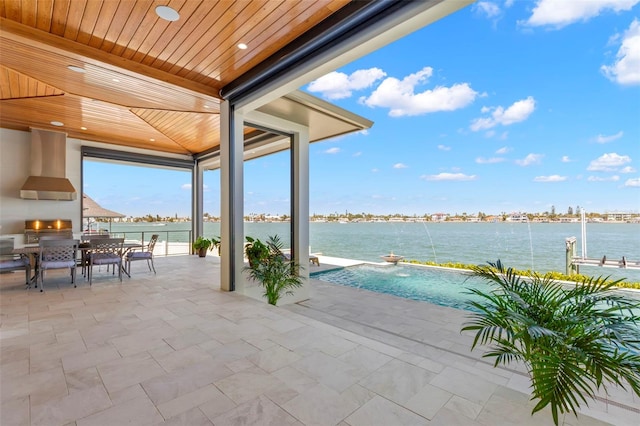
(172, 349)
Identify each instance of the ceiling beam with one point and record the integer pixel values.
(12, 30)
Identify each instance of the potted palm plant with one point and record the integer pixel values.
(201, 245)
(573, 339)
(277, 274)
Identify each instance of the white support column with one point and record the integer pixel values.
(232, 201)
(197, 183)
(300, 210)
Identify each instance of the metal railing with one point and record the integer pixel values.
(169, 242)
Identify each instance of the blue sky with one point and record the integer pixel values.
(503, 106)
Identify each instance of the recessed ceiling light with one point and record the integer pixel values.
(242, 46)
(76, 69)
(152, 140)
(57, 123)
(83, 128)
(167, 13)
(207, 106)
(115, 80)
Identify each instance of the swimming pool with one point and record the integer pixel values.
(439, 286)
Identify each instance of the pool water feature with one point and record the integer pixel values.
(440, 286)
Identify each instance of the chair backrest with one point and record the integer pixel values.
(104, 246)
(58, 250)
(152, 242)
(6, 248)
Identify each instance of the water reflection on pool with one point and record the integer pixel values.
(439, 286)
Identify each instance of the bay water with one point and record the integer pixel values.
(535, 246)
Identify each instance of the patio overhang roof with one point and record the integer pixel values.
(114, 72)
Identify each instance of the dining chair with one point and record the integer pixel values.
(143, 253)
(105, 251)
(84, 258)
(57, 254)
(10, 262)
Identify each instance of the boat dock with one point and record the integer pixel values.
(573, 262)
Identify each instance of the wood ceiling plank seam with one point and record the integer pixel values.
(190, 14)
(256, 42)
(13, 10)
(147, 42)
(200, 22)
(118, 24)
(163, 32)
(194, 68)
(59, 17)
(133, 26)
(31, 39)
(5, 87)
(103, 23)
(14, 84)
(33, 86)
(281, 32)
(142, 33)
(26, 98)
(29, 10)
(167, 136)
(74, 19)
(201, 55)
(88, 23)
(44, 14)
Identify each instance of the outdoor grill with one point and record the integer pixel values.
(34, 229)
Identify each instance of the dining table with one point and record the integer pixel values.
(32, 251)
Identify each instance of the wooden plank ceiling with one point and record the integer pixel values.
(145, 82)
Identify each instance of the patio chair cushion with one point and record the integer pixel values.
(58, 264)
(140, 255)
(104, 258)
(14, 263)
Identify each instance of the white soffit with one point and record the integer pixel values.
(323, 119)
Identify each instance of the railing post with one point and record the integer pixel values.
(570, 253)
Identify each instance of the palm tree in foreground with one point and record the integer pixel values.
(573, 340)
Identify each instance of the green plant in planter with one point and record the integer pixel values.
(255, 250)
(573, 339)
(215, 244)
(201, 245)
(275, 272)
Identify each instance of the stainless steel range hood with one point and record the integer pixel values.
(48, 168)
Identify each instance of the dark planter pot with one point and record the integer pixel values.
(202, 252)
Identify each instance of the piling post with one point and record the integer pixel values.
(570, 253)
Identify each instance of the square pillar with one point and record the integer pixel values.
(232, 198)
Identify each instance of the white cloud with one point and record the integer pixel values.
(375, 170)
(566, 159)
(608, 162)
(444, 148)
(503, 150)
(627, 169)
(492, 160)
(400, 166)
(530, 159)
(560, 13)
(449, 176)
(400, 97)
(338, 85)
(552, 178)
(635, 182)
(610, 138)
(487, 8)
(357, 154)
(186, 186)
(333, 150)
(603, 179)
(626, 68)
(519, 111)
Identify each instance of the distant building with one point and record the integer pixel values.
(439, 217)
